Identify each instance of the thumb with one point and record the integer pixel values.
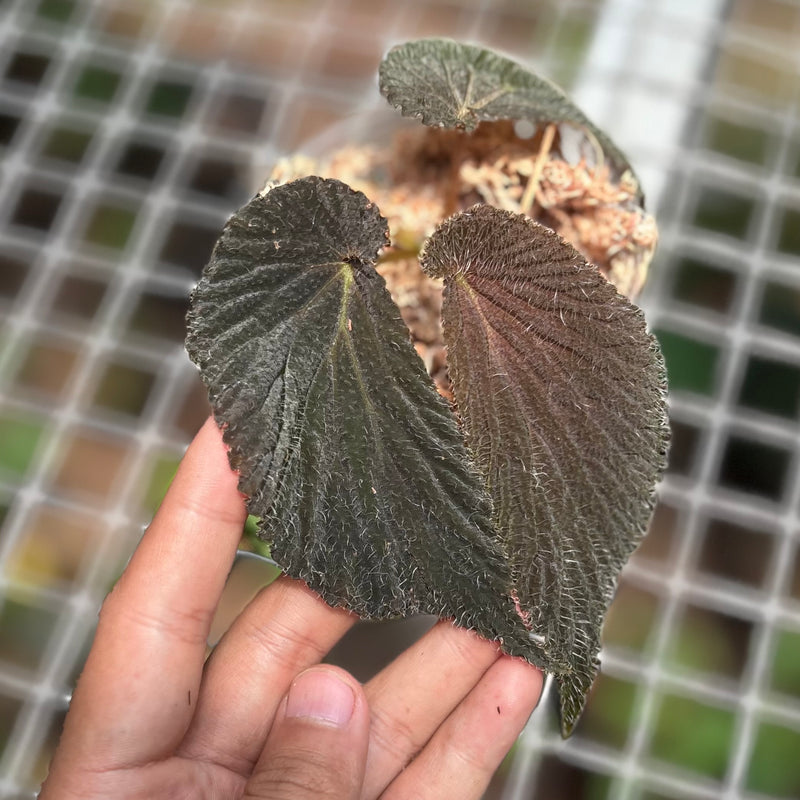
(317, 748)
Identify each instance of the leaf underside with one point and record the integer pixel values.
(562, 395)
(350, 457)
(454, 85)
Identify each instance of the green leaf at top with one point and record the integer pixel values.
(352, 460)
(562, 394)
(453, 85)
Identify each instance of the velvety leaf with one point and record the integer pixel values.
(352, 460)
(562, 395)
(453, 85)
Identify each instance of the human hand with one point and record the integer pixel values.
(261, 718)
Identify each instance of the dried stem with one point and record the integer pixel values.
(526, 203)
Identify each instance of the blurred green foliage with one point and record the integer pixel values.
(789, 233)
(771, 386)
(66, 144)
(786, 664)
(18, 441)
(608, 716)
(693, 735)
(124, 389)
(169, 98)
(654, 796)
(632, 619)
(97, 83)
(703, 284)
(110, 226)
(702, 643)
(742, 142)
(775, 762)
(9, 708)
(56, 10)
(780, 308)
(26, 630)
(724, 212)
(691, 365)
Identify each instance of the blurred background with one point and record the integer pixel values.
(130, 131)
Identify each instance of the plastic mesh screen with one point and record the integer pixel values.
(130, 131)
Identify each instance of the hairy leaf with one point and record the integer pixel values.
(453, 85)
(562, 394)
(352, 460)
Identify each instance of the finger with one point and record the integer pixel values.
(317, 747)
(140, 684)
(463, 754)
(285, 629)
(411, 697)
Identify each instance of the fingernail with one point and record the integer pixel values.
(319, 695)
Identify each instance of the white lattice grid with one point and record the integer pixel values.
(631, 74)
(640, 70)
